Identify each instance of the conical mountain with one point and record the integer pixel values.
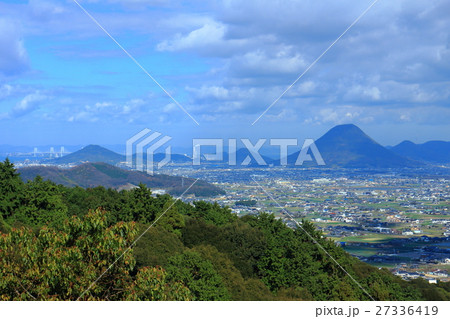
(90, 153)
(349, 147)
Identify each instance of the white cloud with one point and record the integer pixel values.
(285, 115)
(131, 111)
(211, 92)
(13, 56)
(27, 105)
(45, 10)
(99, 107)
(405, 117)
(209, 34)
(369, 93)
(83, 116)
(261, 62)
(5, 90)
(132, 106)
(169, 108)
(339, 115)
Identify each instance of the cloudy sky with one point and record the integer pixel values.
(64, 81)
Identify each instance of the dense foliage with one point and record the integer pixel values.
(62, 264)
(59, 243)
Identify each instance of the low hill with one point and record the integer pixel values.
(437, 152)
(99, 154)
(348, 146)
(90, 153)
(102, 174)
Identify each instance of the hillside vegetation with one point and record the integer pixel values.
(90, 175)
(60, 243)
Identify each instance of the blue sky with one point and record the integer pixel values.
(64, 81)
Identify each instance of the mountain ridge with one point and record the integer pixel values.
(437, 152)
(90, 175)
(96, 154)
(345, 146)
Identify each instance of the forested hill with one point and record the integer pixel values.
(90, 153)
(109, 176)
(55, 242)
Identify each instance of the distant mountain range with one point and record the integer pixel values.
(437, 152)
(345, 146)
(109, 176)
(96, 153)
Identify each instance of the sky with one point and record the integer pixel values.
(64, 81)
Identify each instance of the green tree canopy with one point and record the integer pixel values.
(41, 204)
(11, 189)
(199, 275)
(62, 264)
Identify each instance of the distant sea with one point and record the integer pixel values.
(17, 158)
